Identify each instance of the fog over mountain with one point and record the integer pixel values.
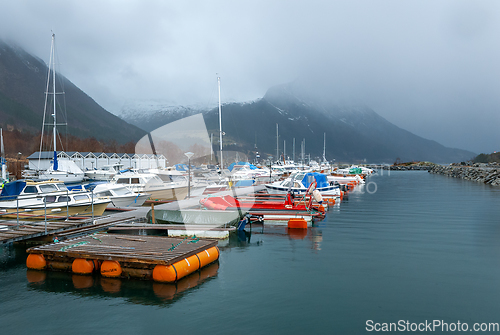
(426, 66)
(354, 133)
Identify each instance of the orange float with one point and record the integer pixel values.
(180, 269)
(297, 223)
(208, 256)
(84, 266)
(36, 262)
(111, 269)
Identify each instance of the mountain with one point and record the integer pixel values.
(354, 133)
(22, 86)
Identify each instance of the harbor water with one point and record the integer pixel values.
(408, 246)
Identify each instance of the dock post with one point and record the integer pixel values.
(45, 210)
(93, 207)
(67, 204)
(17, 205)
(153, 213)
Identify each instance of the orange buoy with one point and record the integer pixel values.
(165, 273)
(83, 266)
(36, 262)
(187, 266)
(111, 269)
(180, 269)
(297, 223)
(208, 256)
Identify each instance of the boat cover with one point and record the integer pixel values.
(321, 179)
(197, 216)
(12, 189)
(252, 167)
(244, 183)
(355, 171)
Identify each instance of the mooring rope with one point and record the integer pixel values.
(73, 245)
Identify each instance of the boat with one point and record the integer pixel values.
(299, 182)
(4, 178)
(34, 199)
(107, 172)
(66, 171)
(227, 202)
(140, 182)
(215, 218)
(119, 195)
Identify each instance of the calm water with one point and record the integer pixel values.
(422, 247)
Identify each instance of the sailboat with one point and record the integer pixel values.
(4, 178)
(66, 171)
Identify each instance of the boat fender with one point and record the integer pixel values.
(317, 196)
(311, 187)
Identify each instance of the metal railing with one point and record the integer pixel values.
(18, 207)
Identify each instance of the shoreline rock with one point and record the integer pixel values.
(479, 172)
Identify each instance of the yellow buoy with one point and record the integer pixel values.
(36, 262)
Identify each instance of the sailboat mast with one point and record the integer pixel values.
(54, 88)
(324, 147)
(3, 156)
(220, 126)
(277, 144)
(53, 54)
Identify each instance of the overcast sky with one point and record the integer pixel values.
(430, 67)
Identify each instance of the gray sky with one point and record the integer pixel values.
(431, 67)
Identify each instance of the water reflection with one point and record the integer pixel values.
(134, 291)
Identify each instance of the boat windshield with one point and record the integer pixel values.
(298, 176)
(81, 197)
(47, 188)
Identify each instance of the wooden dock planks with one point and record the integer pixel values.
(126, 248)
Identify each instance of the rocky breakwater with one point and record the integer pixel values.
(479, 172)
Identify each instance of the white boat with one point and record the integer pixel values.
(120, 196)
(4, 178)
(299, 183)
(150, 183)
(51, 197)
(66, 171)
(107, 172)
(346, 179)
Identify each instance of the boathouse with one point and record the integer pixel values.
(96, 160)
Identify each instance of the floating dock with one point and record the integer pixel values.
(163, 259)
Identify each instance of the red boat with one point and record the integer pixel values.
(229, 202)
